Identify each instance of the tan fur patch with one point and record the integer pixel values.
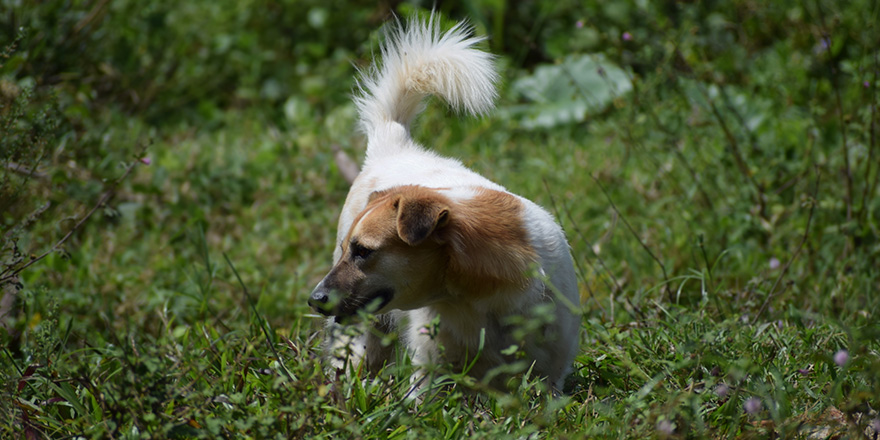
(489, 244)
(385, 213)
(374, 225)
(484, 239)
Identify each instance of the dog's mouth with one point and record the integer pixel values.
(370, 303)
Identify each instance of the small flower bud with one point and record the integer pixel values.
(752, 405)
(841, 358)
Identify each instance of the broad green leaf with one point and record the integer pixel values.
(568, 92)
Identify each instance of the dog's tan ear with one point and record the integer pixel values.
(418, 218)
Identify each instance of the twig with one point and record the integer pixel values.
(99, 8)
(731, 141)
(869, 188)
(637, 144)
(398, 407)
(846, 164)
(705, 257)
(680, 156)
(30, 220)
(347, 167)
(826, 36)
(633, 231)
(797, 252)
(737, 154)
(24, 171)
(616, 287)
(739, 118)
(104, 197)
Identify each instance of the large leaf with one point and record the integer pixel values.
(568, 92)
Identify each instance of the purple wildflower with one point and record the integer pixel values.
(823, 46)
(666, 427)
(841, 358)
(752, 405)
(627, 36)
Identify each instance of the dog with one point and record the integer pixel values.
(422, 239)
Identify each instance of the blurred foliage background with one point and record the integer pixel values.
(715, 166)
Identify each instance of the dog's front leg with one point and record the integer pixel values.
(360, 345)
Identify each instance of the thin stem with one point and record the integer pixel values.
(580, 268)
(737, 154)
(797, 251)
(636, 235)
(259, 317)
(104, 197)
(869, 188)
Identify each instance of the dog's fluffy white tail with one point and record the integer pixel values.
(418, 61)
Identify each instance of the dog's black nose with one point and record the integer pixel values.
(318, 300)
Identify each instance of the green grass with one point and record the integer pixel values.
(722, 214)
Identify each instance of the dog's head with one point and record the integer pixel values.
(391, 257)
(411, 243)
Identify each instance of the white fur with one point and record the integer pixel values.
(418, 61)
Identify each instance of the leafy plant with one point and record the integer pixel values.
(567, 92)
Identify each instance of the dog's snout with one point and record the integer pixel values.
(319, 299)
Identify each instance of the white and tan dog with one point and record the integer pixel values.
(421, 236)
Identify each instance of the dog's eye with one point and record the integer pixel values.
(360, 251)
